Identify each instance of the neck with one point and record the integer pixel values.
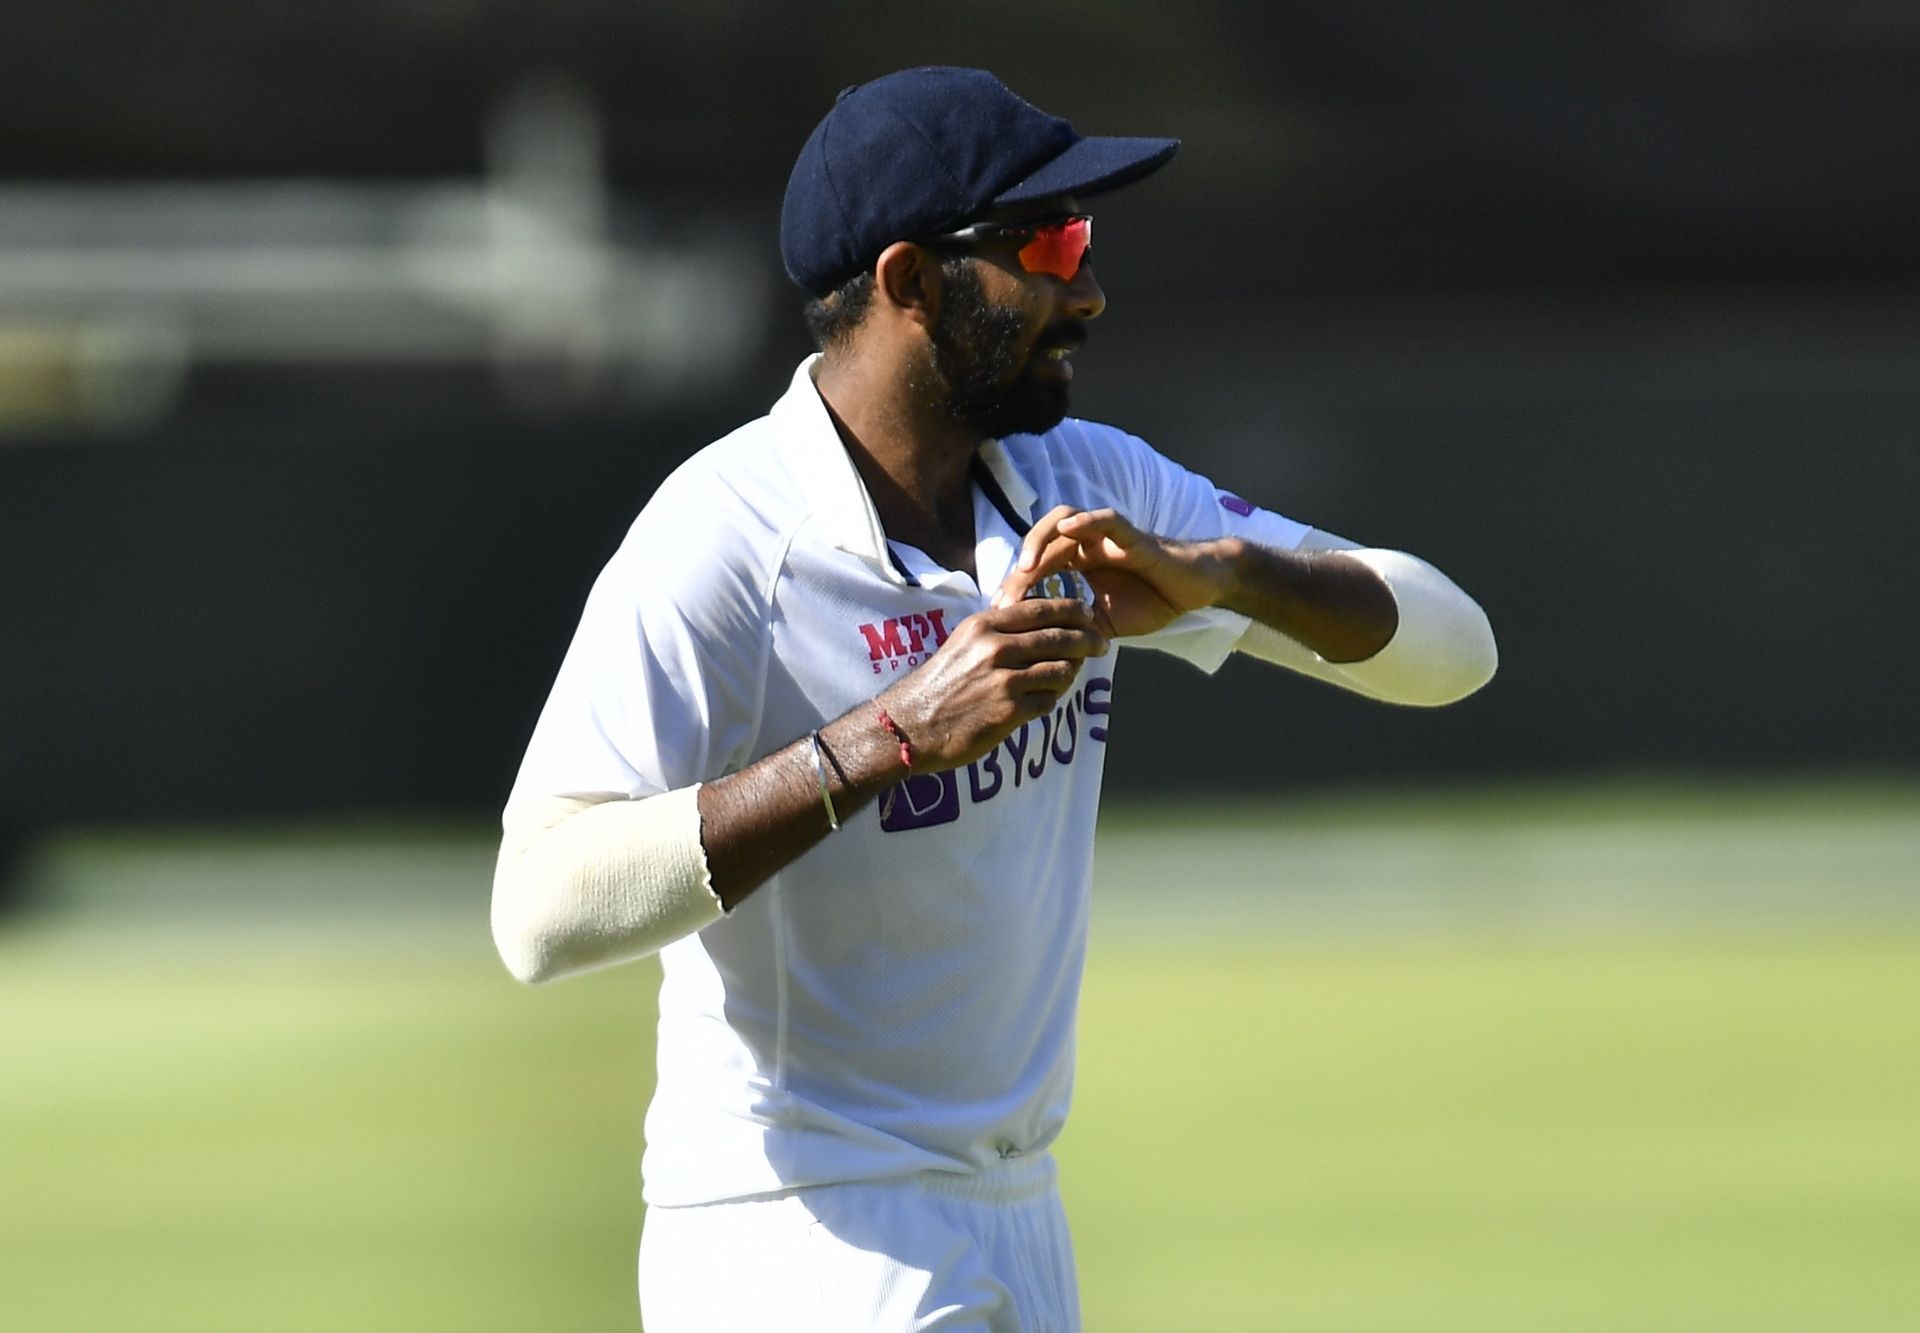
(914, 463)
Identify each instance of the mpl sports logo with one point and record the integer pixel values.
(1049, 742)
(900, 642)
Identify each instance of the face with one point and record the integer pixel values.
(1001, 340)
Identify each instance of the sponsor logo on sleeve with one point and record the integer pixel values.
(1236, 504)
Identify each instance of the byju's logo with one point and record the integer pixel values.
(899, 642)
(921, 801)
(1023, 758)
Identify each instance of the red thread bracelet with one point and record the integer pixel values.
(893, 730)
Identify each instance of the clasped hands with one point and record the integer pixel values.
(1008, 664)
(1140, 582)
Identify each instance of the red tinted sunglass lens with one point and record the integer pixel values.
(1058, 248)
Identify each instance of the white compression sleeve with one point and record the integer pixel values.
(1442, 651)
(584, 882)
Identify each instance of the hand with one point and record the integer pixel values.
(1000, 668)
(1140, 582)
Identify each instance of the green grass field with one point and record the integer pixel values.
(1406, 1064)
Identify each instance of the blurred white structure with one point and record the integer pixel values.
(110, 293)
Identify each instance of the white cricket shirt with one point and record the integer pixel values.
(902, 997)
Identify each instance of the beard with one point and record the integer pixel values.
(981, 376)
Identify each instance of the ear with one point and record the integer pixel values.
(907, 278)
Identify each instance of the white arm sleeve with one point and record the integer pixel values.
(587, 881)
(1442, 651)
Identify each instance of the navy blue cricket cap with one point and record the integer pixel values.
(925, 150)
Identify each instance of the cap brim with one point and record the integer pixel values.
(1093, 166)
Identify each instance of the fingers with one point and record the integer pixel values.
(1058, 644)
(1058, 554)
(1028, 614)
(1037, 688)
(1041, 533)
(1083, 527)
(1067, 538)
(1000, 667)
(1041, 629)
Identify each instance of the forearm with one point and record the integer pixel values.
(759, 820)
(1325, 600)
(584, 882)
(1382, 623)
(998, 670)
(1442, 648)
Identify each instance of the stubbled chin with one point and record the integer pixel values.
(1031, 405)
(1046, 405)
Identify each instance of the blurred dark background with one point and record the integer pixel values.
(339, 345)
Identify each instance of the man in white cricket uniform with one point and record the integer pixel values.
(830, 735)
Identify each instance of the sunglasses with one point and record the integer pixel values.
(1056, 245)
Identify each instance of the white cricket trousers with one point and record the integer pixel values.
(986, 1253)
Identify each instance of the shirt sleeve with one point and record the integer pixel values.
(1160, 496)
(662, 684)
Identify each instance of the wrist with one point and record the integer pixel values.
(1222, 567)
(864, 758)
(892, 728)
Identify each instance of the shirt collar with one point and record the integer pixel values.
(832, 487)
(1014, 486)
